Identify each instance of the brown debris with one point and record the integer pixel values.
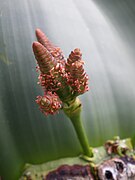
(75, 172)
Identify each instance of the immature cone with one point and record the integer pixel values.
(54, 50)
(77, 77)
(45, 60)
(52, 76)
(49, 103)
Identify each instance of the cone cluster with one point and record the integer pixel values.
(62, 80)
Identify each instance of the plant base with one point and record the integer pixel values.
(114, 160)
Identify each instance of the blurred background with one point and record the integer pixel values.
(105, 32)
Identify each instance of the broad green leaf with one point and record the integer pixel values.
(104, 31)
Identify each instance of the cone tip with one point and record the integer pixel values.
(36, 46)
(39, 32)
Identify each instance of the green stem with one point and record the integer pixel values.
(77, 123)
(73, 111)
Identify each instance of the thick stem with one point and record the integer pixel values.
(73, 111)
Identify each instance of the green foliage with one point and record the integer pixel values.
(108, 108)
